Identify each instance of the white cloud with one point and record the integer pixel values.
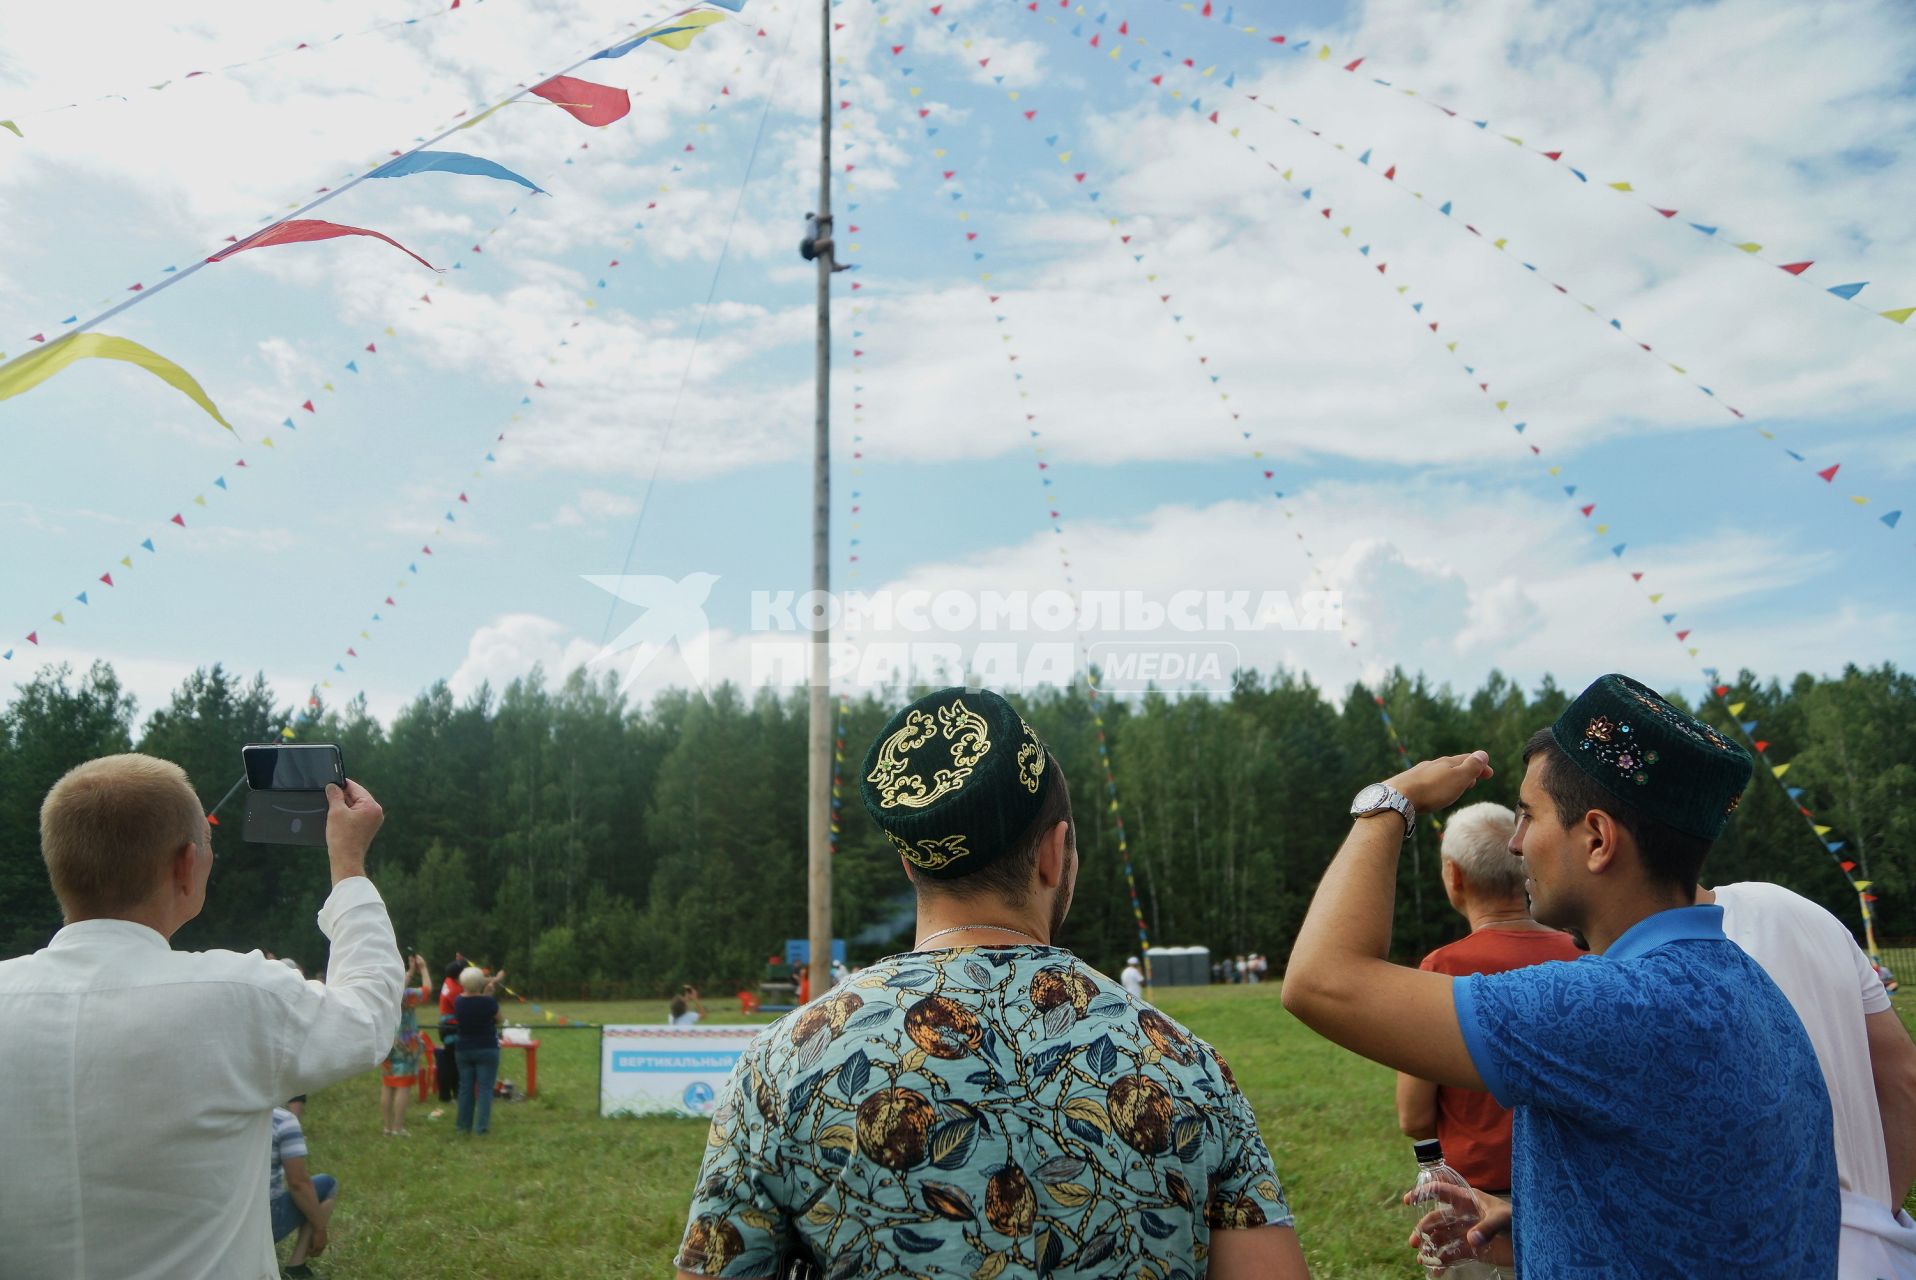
(511, 645)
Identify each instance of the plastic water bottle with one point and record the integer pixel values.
(1446, 1235)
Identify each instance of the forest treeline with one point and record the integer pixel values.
(581, 840)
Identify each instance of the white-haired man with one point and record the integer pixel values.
(1484, 882)
(141, 1080)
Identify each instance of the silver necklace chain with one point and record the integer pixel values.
(962, 928)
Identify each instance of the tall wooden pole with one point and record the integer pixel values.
(819, 915)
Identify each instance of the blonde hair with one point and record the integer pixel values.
(1477, 838)
(109, 827)
(471, 978)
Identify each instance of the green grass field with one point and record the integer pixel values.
(556, 1191)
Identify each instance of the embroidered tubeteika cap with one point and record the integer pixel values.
(954, 780)
(1653, 757)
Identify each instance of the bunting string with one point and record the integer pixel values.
(402, 163)
(1093, 695)
(1709, 228)
(845, 122)
(459, 505)
(1389, 175)
(222, 484)
(698, 331)
(1265, 480)
(126, 96)
(313, 404)
(1602, 530)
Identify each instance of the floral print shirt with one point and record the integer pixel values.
(974, 1112)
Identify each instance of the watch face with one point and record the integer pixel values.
(1371, 797)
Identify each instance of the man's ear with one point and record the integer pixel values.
(1604, 837)
(1453, 878)
(179, 870)
(1051, 856)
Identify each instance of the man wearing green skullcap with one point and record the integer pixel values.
(1670, 1116)
(985, 1105)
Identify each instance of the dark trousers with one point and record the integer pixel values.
(446, 1068)
(478, 1068)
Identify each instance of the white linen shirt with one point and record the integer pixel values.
(140, 1081)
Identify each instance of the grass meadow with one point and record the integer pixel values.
(555, 1190)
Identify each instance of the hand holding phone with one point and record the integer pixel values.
(352, 819)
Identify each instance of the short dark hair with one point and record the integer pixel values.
(1669, 856)
(1009, 877)
(678, 1006)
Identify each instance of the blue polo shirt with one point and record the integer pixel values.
(1671, 1119)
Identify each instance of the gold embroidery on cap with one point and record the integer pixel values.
(1030, 760)
(931, 853)
(969, 728)
(896, 787)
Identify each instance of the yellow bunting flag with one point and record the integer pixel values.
(1820, 829)
(499, 106)
(1749, 246)
(1900, 316)
(1736, 708)
(8, 124)
(1780, 769)
(677, 33)
(1621, 186)
(30, 370)
(1861, 885)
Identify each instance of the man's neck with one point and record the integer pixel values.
(1499, 913)
(153, 915)
(1617, 918)
(981, 921)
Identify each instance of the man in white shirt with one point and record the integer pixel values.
(141, 1080)
(1133, 978)
(1868, 1061)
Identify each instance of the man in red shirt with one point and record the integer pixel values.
(1484, 882)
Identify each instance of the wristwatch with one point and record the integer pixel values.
(1379, 796)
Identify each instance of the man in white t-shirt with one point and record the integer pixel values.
(1132, 978)
(1868, 1061)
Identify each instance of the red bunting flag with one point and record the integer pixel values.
(107, 578)
(176, 520)
(33, 637)
(1798, 268)
(299, 230)
(595, 104)
(1829, 474)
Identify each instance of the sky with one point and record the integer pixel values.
(1049, 238)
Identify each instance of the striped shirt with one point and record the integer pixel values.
(289, 1143)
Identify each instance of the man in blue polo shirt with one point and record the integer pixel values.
(1670, 1115)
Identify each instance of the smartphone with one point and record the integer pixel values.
(288, 767)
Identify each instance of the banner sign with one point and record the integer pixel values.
(679, 1071)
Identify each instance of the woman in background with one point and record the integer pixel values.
(478, 1015)
(400, 1073)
